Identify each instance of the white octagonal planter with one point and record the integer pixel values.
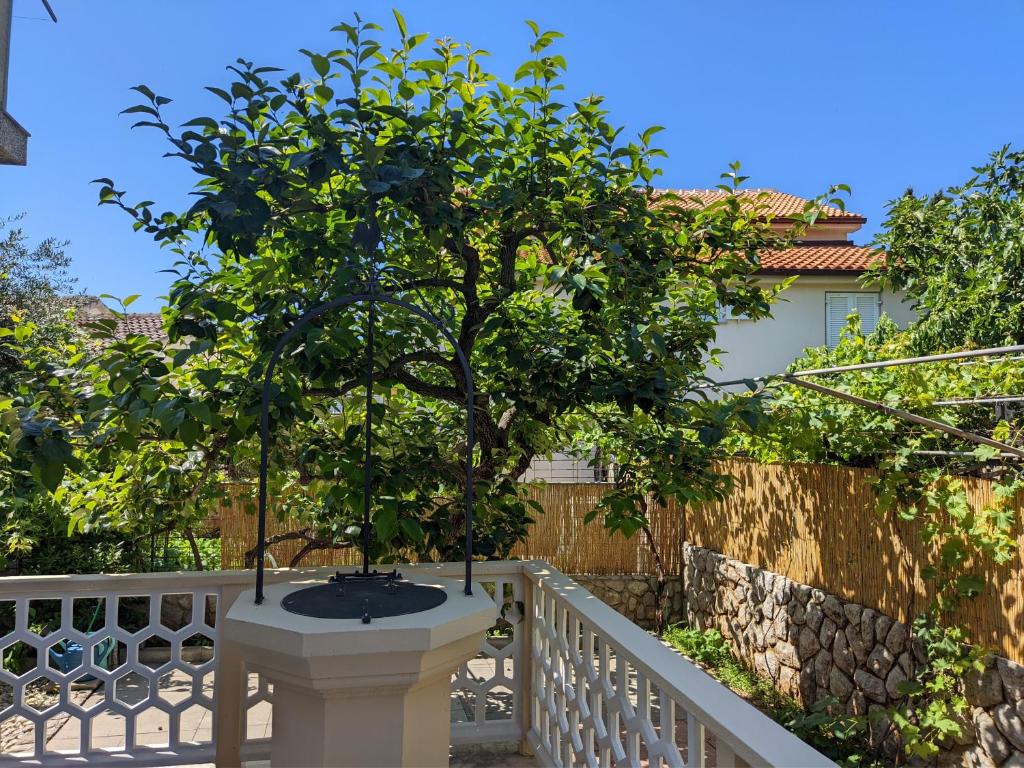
(354, 694)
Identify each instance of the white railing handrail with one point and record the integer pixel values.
(753, 736)
(12, 587)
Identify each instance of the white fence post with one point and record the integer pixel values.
(230, 691)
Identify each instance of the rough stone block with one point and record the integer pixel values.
(814, 616)
(1009, 722)
(827, 633)
(882, 626)
(872, 687)
(855, 643)
(787, 655)
(1012, 676)
(822, 668)
(880, 661)
(989, 737)
(839, 685)
(893, 680)
(984, 689)
(834, 610)
(867, 627)
(807, 644)
(855, 640)
(896, 639)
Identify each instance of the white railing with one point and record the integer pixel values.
(152, 683)
(604, 692)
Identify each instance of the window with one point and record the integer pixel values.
(838, 306)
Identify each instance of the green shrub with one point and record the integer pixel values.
(841, 737)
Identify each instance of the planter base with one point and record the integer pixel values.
(354, 694)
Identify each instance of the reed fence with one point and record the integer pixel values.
(815, 524)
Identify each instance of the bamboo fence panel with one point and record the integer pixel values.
(820, 525)
(236, 516)
(815, 524)
(561, 537)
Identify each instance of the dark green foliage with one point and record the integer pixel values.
(585, 302)
(959, 255)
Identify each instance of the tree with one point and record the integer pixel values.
(581, 296)
(33, 284)
(958, 251)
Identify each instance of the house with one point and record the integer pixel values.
(810, 313)
(813, 311)
(89, 309)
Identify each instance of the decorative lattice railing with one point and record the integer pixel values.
(131, 669)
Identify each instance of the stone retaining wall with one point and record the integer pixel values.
(633, 596)
(814, 644)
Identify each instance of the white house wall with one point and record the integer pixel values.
(798, 322)
(751, 349)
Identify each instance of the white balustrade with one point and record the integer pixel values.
(604, 692)
(561, 673)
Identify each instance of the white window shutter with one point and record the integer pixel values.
(838, 306)
(867, 307)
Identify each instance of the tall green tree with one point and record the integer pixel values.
(959, 255)
(34, 283)
(519, 216)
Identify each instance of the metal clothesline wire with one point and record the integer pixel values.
(989, 352)
(797, 378)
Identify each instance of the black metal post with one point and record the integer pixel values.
(368, 455)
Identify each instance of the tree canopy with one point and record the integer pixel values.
(584, 299)
(959, 255)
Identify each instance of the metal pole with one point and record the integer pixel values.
(371, 320)
(905, 415)
(981, 400)
(288, 335)
(991, 351)
(914, 360)
(470, 434)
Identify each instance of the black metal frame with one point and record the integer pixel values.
(371, 297)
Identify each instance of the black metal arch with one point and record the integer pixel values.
(372, 298)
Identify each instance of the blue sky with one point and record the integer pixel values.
(877, 95)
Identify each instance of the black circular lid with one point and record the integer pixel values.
(364, 599)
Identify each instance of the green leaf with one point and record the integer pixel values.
(385, 523)
(321, 64)
(400, 21)
(412, 529)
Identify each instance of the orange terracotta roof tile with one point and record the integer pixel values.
(820, 257)
(778, 204)
(149, 324)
